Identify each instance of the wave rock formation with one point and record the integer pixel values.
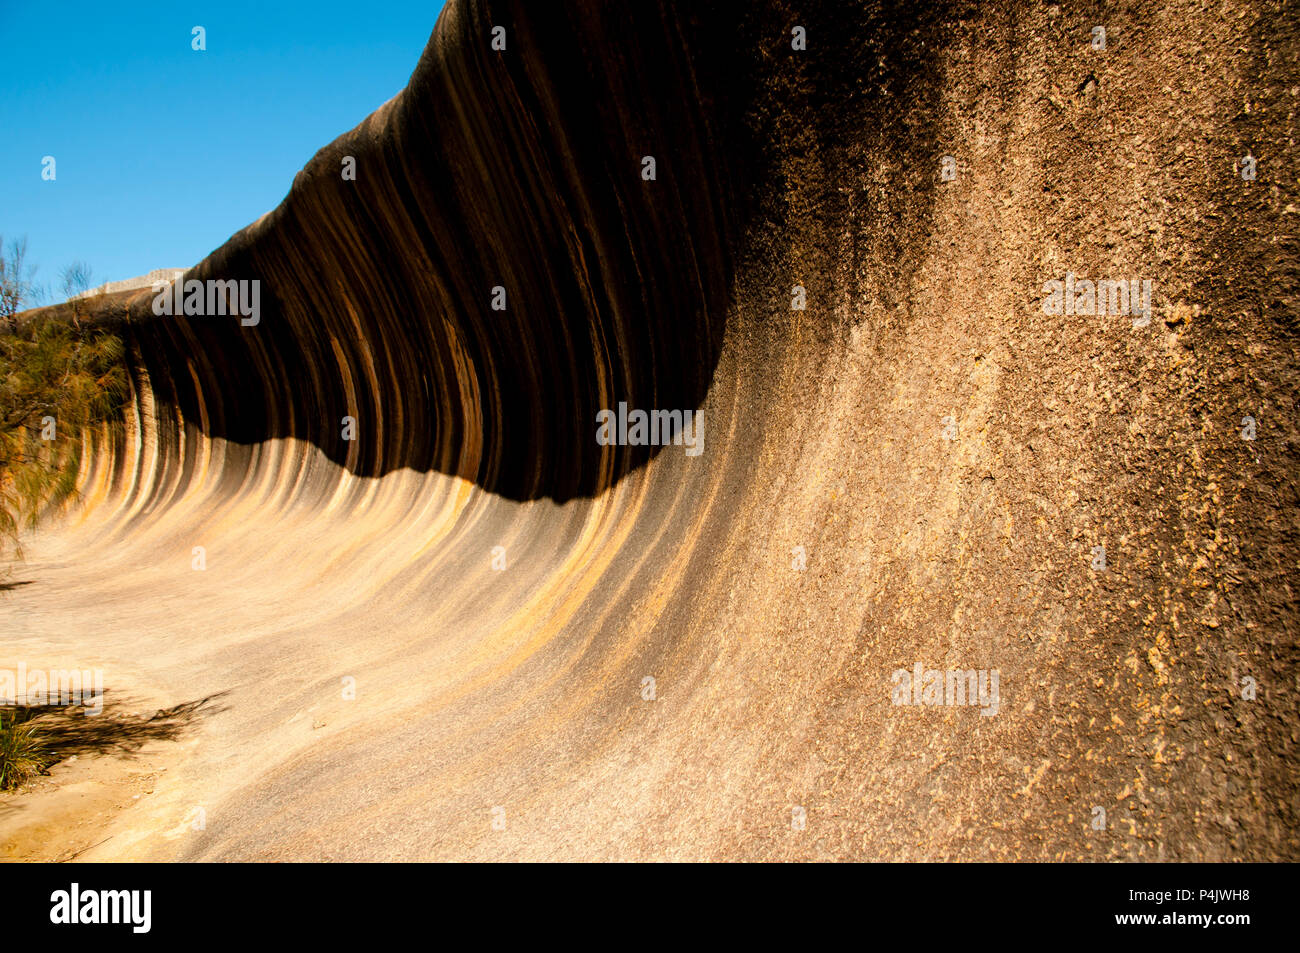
(474, 631)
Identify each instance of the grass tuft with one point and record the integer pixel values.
(22, 750)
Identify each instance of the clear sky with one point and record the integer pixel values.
(161, 153)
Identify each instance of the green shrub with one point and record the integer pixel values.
(22, 751)
(57, 377)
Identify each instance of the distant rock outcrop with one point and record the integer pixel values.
(131, 284)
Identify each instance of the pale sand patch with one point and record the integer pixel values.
(56, 818)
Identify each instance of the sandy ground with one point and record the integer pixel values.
(105, 759)
(58, 818)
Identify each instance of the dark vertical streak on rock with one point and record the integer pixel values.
(519, 168)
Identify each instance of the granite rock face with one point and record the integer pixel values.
(155, 277)
(560, 648)
(517, 169)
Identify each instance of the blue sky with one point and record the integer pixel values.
(162, 152)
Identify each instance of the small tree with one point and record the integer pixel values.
(57, 379)
(18, 286)
(75, 279)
